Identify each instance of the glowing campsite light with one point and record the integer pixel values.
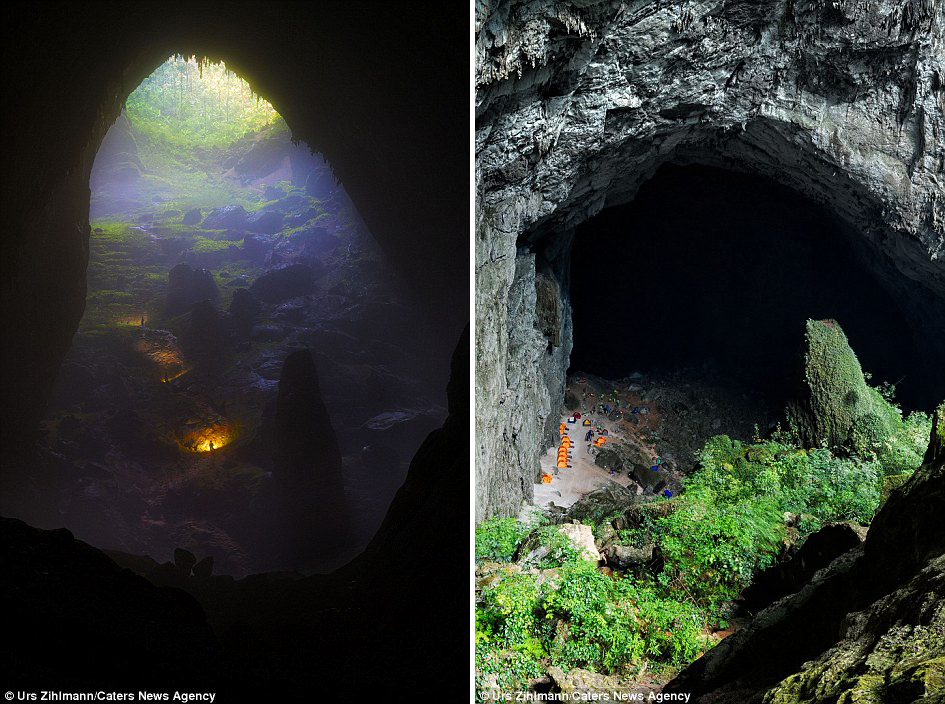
(207, 439)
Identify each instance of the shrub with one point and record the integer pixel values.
(497, 538)
(712, 548)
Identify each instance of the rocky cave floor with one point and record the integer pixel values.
(660, 419)
(154, 376)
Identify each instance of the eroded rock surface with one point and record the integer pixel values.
(869, 624)
(579, 103)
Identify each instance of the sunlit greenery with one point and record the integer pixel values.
(197, 103)
(727, 524)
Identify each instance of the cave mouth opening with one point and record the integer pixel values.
(714, 272)
(218, 247)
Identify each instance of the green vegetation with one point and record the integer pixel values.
(498, 538)
(838, 408)
(726, 526)
(191, 103)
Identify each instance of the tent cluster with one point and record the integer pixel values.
(564, 447)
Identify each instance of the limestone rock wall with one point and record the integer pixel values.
(580, 102)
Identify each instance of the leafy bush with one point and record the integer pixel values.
(579, 618)
(497, 538)
(560, 549)
(615, 623)
(712, 548)
(799, 481)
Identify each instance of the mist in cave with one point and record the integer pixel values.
(220, 249)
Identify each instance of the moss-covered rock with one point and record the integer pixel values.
(835, 407)
(877, 661)
(936, 450)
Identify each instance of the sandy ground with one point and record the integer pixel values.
(582, 475)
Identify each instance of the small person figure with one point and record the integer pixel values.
(590, 434)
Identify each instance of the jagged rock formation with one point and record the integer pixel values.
(274, 635)
(870, 624)
(112, 627)
(579, 103)
(312, 518)
(186, 286)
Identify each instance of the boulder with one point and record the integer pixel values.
(257, 247)
(267, 223)
(273, 192)
(580, 536)
(609, 460)
(624, 557)
(601, 503)
(226, 217)
(818, 551)
(186, 286)
(284, 205)
(584, 685)
(282, 284)
(314, 241)
(834, 406)
(204, 568)
(297, 219)
(320, 184)
(192, 216)
(204, 336)
(184, 560)
(244, 312)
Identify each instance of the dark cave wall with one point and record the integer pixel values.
(355, 82)
(718, 269)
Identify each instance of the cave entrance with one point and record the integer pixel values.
(710, 274)
(218, 247)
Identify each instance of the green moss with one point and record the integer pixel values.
(205, 244)
(837, 408)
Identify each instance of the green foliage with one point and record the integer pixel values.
(799, 481)
(190, 103)
(560, 549)
(497, 538)
(580, 618)
(613, 623)
(903, 450)
(205, 244)
(713, 547)
(726, 526)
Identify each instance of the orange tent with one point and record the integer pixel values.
(562, 464)
(566, 441)
(587, 421)
(600, 442)
(546, 479)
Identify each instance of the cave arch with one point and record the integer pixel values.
(578, 105)
(339, 76)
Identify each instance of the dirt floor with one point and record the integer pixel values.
(652, 426)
